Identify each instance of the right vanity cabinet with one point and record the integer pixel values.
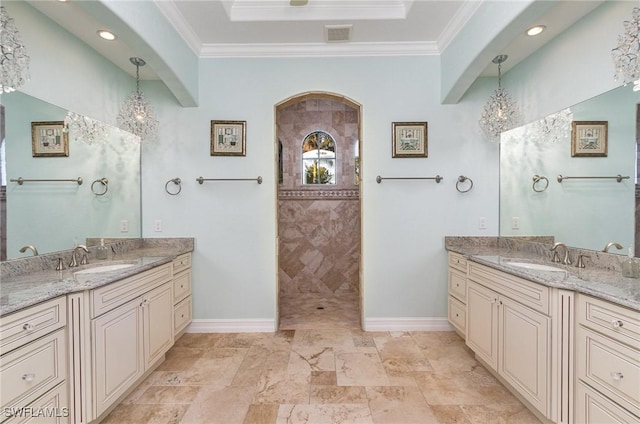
(523, 332)
(508, 327)
(607, 355)
(457, 299)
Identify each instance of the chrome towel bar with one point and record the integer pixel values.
(202, 180)
(438, 178)
(21, 180)
(618, 178)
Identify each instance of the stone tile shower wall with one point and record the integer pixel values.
(318, 225)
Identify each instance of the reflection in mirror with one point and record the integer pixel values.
(585, 213)
(55, 215)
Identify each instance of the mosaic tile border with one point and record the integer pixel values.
(318, 194)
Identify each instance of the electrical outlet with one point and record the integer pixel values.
(515, 222)
(124, 226)
(482, 223)
(157, 225)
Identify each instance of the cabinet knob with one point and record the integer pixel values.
(27, 326)
(144, 303)
(617, 376)
(28, 377)
(616, 323)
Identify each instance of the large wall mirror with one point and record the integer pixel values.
(585, 210)
(55, 212)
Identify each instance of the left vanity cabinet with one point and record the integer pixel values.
(130, 323)
(33, 364)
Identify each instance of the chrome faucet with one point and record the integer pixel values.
(74, 260)
(566, 260)
(29, 247)
(610, 244)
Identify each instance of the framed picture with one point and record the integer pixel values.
(588, 138)
(49, 139)
(409, 140)
(228, 138)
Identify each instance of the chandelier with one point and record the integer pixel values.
(14, 61)
(554, 128)
(625, 56)
(85, 129)
(500, 113)
(136, 114)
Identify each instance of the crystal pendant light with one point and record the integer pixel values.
(85, 129)
(14, 61)
(136, 114)
(554, 128)
(625, 56)
(500, 113)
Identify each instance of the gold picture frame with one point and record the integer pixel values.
(49, 139)
(228, 138)
(589, 138)
(410, 140)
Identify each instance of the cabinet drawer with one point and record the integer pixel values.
(458, 284)
(535, 296)
(110, 296)
(182, 315)
(458, 261)
(28, 372)
(52, 407)
(610, 367)
(182, 262)
(22, 327)
(612, 320)
(181, 285)
(593, 408)
(457, 314)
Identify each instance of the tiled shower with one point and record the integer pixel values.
(318, 224)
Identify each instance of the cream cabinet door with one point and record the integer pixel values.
(117, 353)
(157, 308)
(482, 322)
(524, 351)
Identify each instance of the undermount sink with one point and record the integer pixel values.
(533, 266)
(103, 268)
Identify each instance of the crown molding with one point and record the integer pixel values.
(459, 20)
(280, 50)
(180, 24)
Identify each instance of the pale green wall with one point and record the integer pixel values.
(403, 225)
(404, 262)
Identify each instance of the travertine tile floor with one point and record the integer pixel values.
(328, 376)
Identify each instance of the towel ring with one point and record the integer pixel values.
(176, 181)
(462, 179)
(105, 184)
(536, 179)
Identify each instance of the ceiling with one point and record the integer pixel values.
(275, 28)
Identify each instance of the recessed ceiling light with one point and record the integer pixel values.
(535, 30)
(106, 35)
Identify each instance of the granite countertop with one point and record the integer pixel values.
(603, 283)
(20, 290)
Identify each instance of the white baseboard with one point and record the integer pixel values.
(269, 325)
(231, 326)
(407, 324)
